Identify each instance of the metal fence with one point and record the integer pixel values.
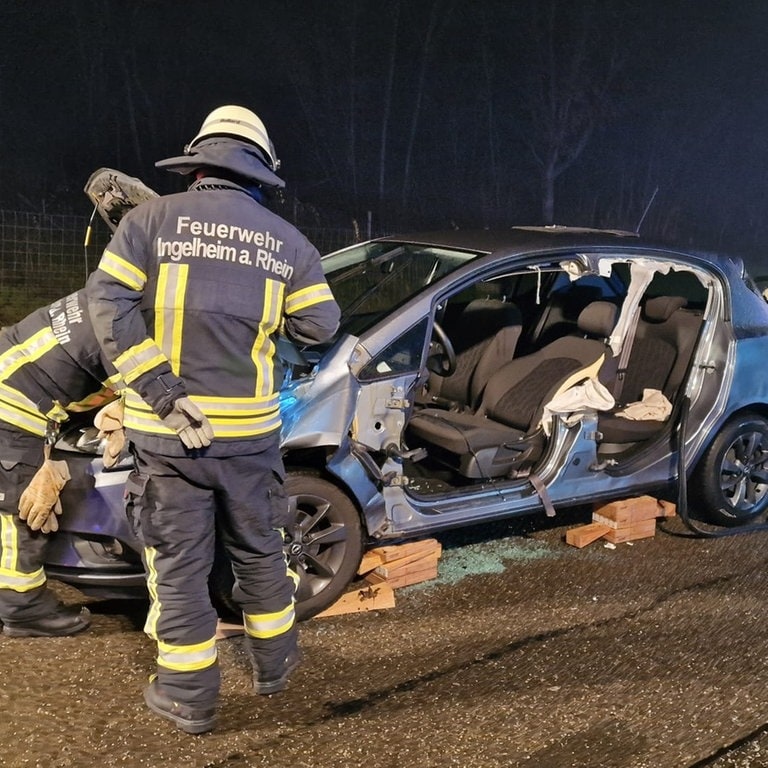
(44, 256)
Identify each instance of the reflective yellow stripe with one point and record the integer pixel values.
(102, 397)
(114, 382)
(289, 572)
(169, 310)
(263, 349)
(123, 271)
(10, 576)
(56, 412)
(187, 658)
(20, 411)
(15, 407)
(306, 297)
(150, 625)
(9, 540)
(139, 359)
(27, 351)
(237, 417)
(266, 625)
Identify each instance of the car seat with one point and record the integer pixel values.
(484, 337)
(504, 432)
(659, 359)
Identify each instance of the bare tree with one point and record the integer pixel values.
(567, 94)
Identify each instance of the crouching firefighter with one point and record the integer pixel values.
(50, 364)
(188, 299)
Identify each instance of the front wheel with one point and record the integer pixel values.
(323, 545)
(731, 480)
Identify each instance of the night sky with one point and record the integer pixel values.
(425, 113)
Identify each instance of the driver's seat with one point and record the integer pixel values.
(484, 337)
(504, 433)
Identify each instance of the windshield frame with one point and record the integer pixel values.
(372, 280)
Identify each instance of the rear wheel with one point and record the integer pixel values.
(731, 481)
(323, 544)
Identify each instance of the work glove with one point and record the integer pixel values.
(109, 422)
(189, 423)
(39, 503)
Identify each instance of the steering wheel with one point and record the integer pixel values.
(442, 356)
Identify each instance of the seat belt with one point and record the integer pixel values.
(626, 351)
(541, 490)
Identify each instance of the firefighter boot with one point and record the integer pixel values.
(65, 620)
(184, 717)
(266, 681)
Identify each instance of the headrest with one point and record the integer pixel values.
(661, 308)
(493, 311)
(598, 319)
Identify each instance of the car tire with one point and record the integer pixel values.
(324, 545)
(731, 480)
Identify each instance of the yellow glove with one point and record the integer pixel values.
(40, 499)
(109, 422)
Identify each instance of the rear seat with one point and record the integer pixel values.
(659, 359)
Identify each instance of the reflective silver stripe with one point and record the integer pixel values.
(8, 540)
(139, 359)
(20, 411)
(187, 658)
(21, 582)
(123, 271)
(266, 625)
(16, 408)
(263, 349)
(114, 382)
(169, 310)
(28, 351)
(229, 417)
(306, 297)
(150, 625)
(10, 577)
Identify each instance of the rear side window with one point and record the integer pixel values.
(679, 283)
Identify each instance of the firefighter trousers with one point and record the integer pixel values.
(177, 507)
(24, 595)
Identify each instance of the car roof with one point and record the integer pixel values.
(534, 238)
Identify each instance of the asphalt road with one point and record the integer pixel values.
(524, 652)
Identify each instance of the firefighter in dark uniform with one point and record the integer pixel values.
(50, 363)
(188, 300)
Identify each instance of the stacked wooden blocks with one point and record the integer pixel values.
(403, 564)
(621, 521)
(384, 569)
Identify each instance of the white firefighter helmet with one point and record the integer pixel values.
(239, 123)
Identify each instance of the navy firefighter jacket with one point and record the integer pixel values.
(51, 363)
(187, 301)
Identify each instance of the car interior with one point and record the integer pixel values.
(519, 342)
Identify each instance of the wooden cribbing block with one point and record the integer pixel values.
(401, 565)
(372, 597)
(409, 552)
(414, 573)
(632, 510)
(392, 566)
(406, 565)
(225, 629)
(642, 529)
(668, 508)
(585, 534)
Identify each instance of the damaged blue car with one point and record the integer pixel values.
(484, 375)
